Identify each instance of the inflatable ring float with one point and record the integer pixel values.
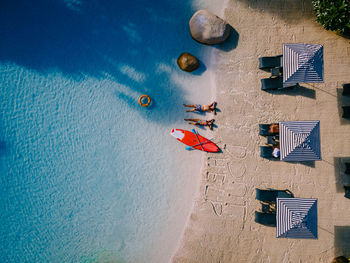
(144, 97)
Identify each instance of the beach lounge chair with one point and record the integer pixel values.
(347, 191)
(346, 112)
(264, 130)
(270, 195)
(267, 63)
(272, 83)
(271, 140)
(266, 152)
(346, 89)
(265, 219)
(347, 168)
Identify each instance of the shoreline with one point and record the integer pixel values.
(199, 88)
(221, 227)
(211, 58)
(203, 158)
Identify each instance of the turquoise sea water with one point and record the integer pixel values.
(87, 174)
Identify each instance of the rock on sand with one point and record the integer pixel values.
(208, 28)
(188, 62)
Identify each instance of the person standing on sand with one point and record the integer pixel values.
(200, 108)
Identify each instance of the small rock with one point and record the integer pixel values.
(208, 28)
(187, 62)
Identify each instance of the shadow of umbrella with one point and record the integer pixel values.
(290, 11)
(295, 91)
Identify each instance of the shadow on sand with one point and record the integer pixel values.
(199, 71)
(342, 101)
(296, 91)
(292, 11)
(310, 164)
(339, 173)
(342, 240)
(231, 42)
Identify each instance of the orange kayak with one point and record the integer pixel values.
(190, 139)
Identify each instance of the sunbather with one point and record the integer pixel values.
(274, 128)
(200, 108)
(208, 123)
(276, 149)
(276, 152)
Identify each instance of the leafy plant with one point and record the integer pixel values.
(333, 15)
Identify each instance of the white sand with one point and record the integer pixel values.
(221, 227)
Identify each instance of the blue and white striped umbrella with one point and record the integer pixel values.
(300, 141)
(297, 218)
(302, 63)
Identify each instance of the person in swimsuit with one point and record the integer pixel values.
(276, 149)
(200, 108)
(208, 123)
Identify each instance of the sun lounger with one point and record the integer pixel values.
(347, 191)
(272, 83)
(265, 219)
(346, 89)
(264, 130)
(347, 168)
(267, 63)
(271, 140)
(270, 195)
(346, 112)
(266, 152)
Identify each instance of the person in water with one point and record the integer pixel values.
(208, 123)
(200, 108)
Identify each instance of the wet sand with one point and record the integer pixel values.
(221, 227)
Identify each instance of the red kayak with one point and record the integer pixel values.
(190, 139)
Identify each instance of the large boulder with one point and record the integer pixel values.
(207, 28)
(188, 62)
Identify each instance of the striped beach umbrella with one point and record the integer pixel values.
(296, 218)
(302, 63)
(299, 141)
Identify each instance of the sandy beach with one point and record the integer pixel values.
(221, 226)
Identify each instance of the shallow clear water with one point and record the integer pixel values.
(87, 174)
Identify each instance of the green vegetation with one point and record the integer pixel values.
(333, 15)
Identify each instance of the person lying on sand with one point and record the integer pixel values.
(197, 107)
(208, 123)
